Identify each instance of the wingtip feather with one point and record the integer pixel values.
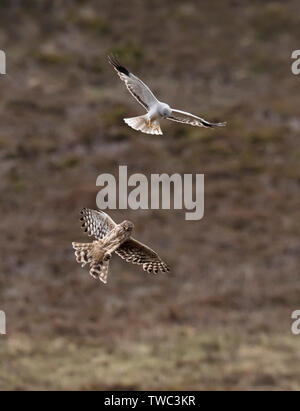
(208, 124)
(116, 64)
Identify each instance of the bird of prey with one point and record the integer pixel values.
(111, 237)
(156, 110)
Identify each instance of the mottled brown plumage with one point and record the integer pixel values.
(110, 238)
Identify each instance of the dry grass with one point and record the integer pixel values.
(181, 359)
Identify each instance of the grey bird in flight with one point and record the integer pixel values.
(156, 110)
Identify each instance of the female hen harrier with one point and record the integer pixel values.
(149, 123)
(112, 237)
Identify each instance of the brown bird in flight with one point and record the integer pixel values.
(111, 237)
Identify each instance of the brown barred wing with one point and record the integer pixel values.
(132, 251)
(96, 223)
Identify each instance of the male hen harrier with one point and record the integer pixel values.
(112, 237)
(149, 123)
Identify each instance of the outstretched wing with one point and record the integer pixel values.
(132, 251)
(188, 118)
(136, 87)
(96, 223)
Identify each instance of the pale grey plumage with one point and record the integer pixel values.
(156, 110)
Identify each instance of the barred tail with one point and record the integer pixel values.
(83, 253)
(98, 269)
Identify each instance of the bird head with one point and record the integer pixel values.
(165, 110)
(127, 226)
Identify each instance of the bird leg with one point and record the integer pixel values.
(149, 124)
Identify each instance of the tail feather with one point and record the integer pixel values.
(140, 123)
(98, 268)
(83, 253)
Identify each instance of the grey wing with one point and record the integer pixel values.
(96, 223)
(132, 251)
(140, 91)
(188, 118)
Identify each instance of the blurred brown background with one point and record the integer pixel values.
(222, 317)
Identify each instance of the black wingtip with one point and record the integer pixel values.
(115, 63)
(208, 124)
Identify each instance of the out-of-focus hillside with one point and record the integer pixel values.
(221, 318)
